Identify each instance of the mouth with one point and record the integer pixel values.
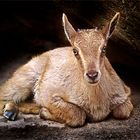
(93, 82)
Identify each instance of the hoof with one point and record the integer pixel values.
(45, 114)
(9, 115)
(10, 111)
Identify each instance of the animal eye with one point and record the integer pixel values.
(104, 50)
(75, 51)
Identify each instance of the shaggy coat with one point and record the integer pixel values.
(70, 84)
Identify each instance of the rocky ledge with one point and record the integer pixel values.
(31, 127)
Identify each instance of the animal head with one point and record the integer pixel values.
(89, 47)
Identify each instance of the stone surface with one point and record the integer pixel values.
(33, 27)
(31, 127)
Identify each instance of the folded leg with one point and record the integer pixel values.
(64, 112)
(10, 110)
(124, 110)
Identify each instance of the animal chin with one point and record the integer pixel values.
(93, 82)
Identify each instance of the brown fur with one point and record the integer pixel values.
(58, 79)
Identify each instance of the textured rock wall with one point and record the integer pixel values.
(36, 27)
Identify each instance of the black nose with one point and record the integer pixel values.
(92, 75)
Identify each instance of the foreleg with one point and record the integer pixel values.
(124, 110)
(10, 110)
(64, 112)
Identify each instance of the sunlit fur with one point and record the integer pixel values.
(90, 50)
(62, 90)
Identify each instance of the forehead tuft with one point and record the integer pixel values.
(89, 36)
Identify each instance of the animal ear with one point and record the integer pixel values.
(68, 29)
(109, 28)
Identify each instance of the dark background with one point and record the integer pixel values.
(30, 28)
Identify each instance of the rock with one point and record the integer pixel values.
(32, 127)
(39, 27)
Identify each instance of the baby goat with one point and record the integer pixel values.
(71, 84)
